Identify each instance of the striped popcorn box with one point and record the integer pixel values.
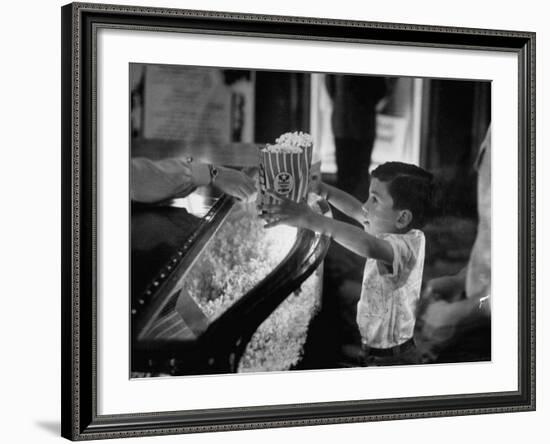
(285, 167)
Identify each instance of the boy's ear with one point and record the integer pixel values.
(404, 219)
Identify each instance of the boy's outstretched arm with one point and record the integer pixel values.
(288, 212)
(343, 201)
(353, 238)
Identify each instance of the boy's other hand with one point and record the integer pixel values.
(317, 187)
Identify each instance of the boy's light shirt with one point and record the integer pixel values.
(386, 309)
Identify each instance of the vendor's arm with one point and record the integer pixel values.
(157, 180)
(351, 237)
(342, 201)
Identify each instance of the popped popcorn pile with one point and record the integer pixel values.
(240, 256)
(276, 148)
(290, 143)
(296, 139)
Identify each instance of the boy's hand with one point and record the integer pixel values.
(286, 212)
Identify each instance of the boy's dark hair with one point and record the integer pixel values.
(410, 187)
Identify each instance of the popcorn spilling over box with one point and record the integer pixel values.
(285, 167)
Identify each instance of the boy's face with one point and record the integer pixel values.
(380, 216)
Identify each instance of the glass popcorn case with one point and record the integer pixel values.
(213, 291)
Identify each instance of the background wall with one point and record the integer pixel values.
(30, 222)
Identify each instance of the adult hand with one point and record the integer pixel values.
(448, 288)
(439, 315)
(286, 212)
(236, 184)
(437, 323)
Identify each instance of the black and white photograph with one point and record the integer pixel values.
(294, 221)
(276, 221)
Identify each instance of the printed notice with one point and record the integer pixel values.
(189, 104)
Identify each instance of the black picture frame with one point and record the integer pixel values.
(79, 211)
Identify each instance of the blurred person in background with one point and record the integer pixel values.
(454, 318)
(355, 100)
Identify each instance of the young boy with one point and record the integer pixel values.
(400, 196)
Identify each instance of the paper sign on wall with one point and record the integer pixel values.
(188, 104)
